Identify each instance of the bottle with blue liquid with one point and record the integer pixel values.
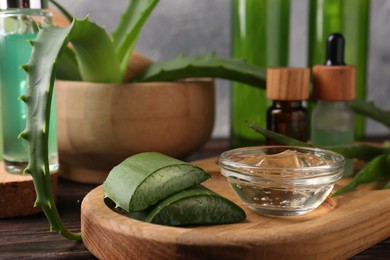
(19, 23)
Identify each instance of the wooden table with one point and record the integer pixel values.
(30, 237)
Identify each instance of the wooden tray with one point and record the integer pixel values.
(360, 220)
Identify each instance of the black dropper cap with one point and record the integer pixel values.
(334, 81)
(335, 50)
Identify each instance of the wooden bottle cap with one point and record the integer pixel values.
(288, 83)
(334, 83)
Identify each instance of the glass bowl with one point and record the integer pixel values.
(282, 180)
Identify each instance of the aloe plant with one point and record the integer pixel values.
(96, 56)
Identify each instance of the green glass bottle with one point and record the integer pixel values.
(260, 30)
(350, 18)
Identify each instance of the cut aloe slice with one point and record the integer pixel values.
(143, 179)
(195, 206)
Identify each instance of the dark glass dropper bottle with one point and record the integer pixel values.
(287, 88)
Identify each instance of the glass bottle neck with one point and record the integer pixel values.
(23, 21)
(334, 104)
(24, 11)
(287, 103)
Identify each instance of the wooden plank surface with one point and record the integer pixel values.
(360, 220)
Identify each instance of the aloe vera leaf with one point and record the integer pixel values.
(50, 43)
(194, 206)
(62, 10)
(203, 67)
(278, 137)
(47, 49)
(376, 170)
(146, 178)
(67, 67)
(370, 110)
(125, 35)
(358, 151)
(95, 53)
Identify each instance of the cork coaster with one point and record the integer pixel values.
(18, 194)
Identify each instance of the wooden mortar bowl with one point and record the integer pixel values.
(100, 125)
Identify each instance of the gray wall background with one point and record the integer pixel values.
(197, 27)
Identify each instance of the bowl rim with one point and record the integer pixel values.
(233, 168)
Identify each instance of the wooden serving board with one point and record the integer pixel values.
(337, 229)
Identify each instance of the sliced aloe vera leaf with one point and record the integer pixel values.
(194, 206)
(143, 179)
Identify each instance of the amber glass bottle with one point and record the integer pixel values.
(288, 88)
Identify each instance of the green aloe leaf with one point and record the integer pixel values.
(203, 67)
(370, 110)
(131, 22)
(50, 44)
(194, 206)
(67, 67)
(47, 48)
(95, 53)
(282, 139)
(375, 170)
(143, 179)
(359, 151)
(62, 10)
